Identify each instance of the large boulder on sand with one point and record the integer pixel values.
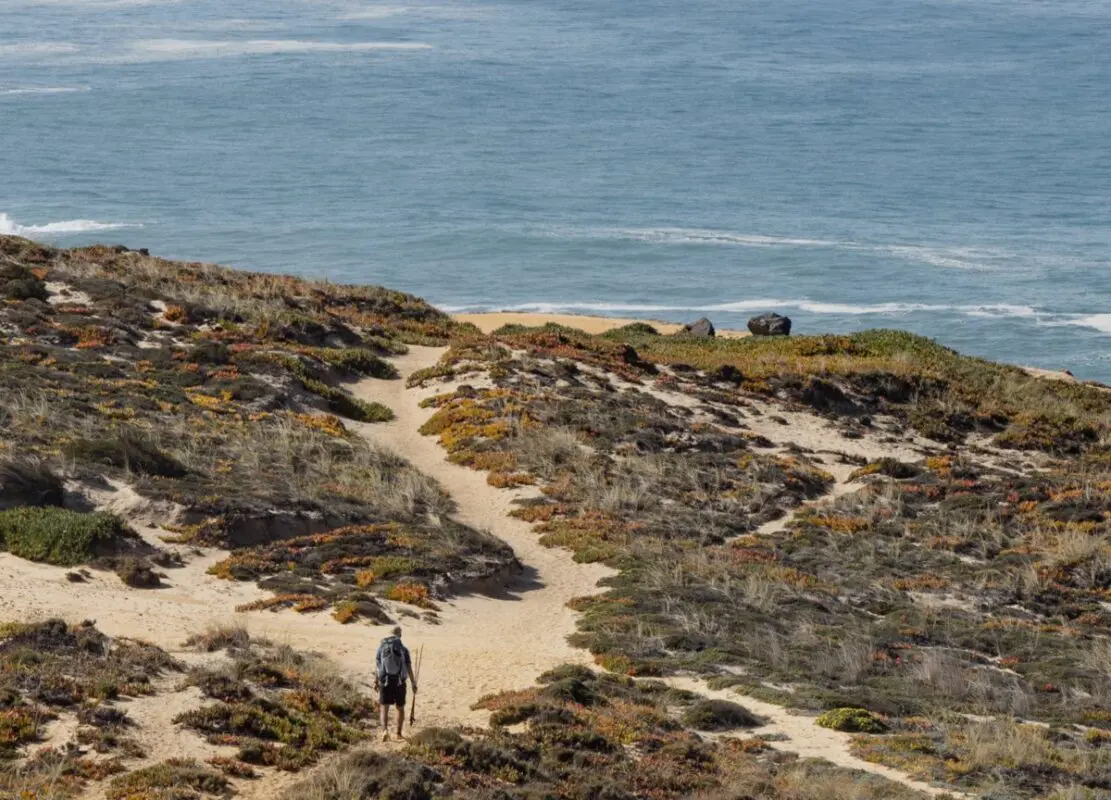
(770, 325)
(702, 327)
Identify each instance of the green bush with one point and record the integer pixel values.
(345, 405)
(357, 361)
(564, 671)
(851, 720)
(632, 329)
(59, 536)
(572, 690)
(719, 715)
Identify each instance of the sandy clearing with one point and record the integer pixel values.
(489, 321)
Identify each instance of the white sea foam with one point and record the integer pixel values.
(44, 90)
(765, 304)
(965, 258)
(10, 228)
(38, 49)
(712, 237)
(1099, 322)
(95, 4)
(375, 12)
(170, 49)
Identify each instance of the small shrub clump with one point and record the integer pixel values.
(59, 536)
(719, 715)
(851, 720)
(175, 779)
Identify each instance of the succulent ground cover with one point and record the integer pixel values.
(969, 584)
(51, 669)
(279, 707)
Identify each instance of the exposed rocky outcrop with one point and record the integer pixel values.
(770, 325)
(701, 328)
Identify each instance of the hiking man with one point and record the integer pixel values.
(394, 666)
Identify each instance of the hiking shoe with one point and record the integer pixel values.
(385, 737)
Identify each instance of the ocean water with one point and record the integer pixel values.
(942, 166)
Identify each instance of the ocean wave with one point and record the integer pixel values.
(376, 12)
(169, 49)
(1098, 322)
(766, 304)
(964, 258)
(710, 237)
(10, 228)
(44, 90)
(38, 49)
(95, 4)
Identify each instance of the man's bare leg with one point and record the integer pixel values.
(400, 721)
(385, 723)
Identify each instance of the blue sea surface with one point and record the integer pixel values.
(942, 166)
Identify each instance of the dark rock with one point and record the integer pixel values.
(701, 328)
(770, 325)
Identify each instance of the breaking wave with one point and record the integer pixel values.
(10, 228)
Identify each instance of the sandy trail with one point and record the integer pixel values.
(484, 644)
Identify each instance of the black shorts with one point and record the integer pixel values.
(392, 694)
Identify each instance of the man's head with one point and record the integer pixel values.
(397, 631)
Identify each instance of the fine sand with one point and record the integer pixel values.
(480, 644)
(489, 321)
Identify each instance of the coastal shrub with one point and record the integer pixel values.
(719, 715)
(59, 536)
(356, 361)
(225, 636)
(890, 467)
(129, 450)
(367, 774)
(137, 574)
(851, 720)
(632, 329)
(20, 283)
(174, 779)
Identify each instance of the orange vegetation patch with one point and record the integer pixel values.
(301, 603)
(414, 594)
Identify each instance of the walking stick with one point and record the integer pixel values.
(413, 708)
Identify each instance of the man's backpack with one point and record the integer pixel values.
(391, 661)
